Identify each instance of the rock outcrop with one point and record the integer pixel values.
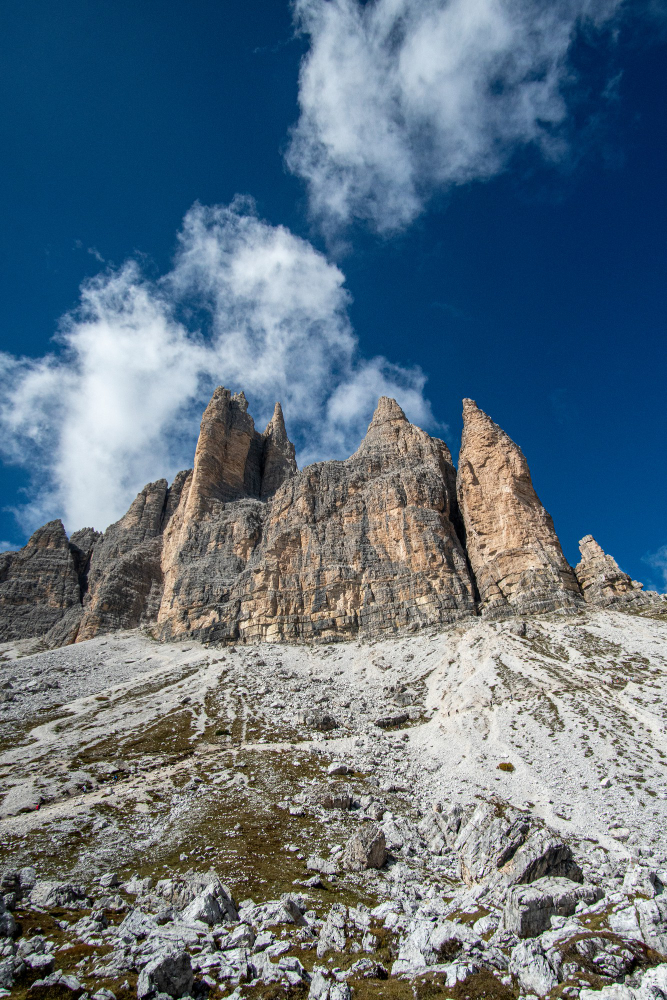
(124, 581)
(512, 545)
(38, 585)
(244, 546)
(366, 545)
(601, 580)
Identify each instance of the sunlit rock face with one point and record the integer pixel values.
(602, 581)
(511, 542)
(246, 547)
(365, 545)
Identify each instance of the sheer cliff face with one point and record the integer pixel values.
(38, 585)
(362, 545)
(246, 547)
(512, 545)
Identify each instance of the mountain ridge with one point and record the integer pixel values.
(245, 546)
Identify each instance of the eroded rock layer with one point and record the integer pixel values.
(244, 546)
(601, 580)
(511, 541)
(366, 545)
(39, 584)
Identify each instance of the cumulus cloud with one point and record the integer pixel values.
(118, 402)
(658, 562)
(399, 98)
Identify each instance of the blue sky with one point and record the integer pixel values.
(467, 200)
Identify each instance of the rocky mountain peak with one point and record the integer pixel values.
(391, 439)
(246, 547)
(276, 425)
(512, 544)
(600, 577)
(278, 456)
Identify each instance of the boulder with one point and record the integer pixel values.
(331, 796)
(365, 849)
(170, 973)
(529, 964)
(332, 934)
(47, 893)
(504, 846)
(430, 943)
(211, 906)
(7, 922)
(652, 916)
(529, 908)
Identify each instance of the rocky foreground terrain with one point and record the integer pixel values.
(477, 809)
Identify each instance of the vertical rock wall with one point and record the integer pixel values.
(38, 585)
(512, 545)
(245, 546)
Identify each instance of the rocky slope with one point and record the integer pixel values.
(246, 547)
(477, 810)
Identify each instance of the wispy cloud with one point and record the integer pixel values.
(118, 402)
(658, 562)
(401, 98)
(7, 547)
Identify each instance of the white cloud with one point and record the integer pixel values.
(658, 561)
(246, 305)
(399, 98)
(7, 547)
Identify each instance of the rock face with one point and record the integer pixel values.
(244, 546)
(366, 545)
(600, 578)
(512, 545)
(38, 585)
(124, 582)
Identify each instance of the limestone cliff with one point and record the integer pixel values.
(124, 581)
(38, 585)
(600, 578)
(364, 545)
(244, 546)
(512, 545)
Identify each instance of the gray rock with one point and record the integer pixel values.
(169, 973)
(429, 943)
(44, 987)
(7, 973)
(50, 893)
(331, 796)
(504, 846)
(332, 935)
(529, 908)
(365, 849)
(212, 906)
(529, 964)
(108, 881)
(652, 916)
(322, 722)
(322, 865)
(7, 922)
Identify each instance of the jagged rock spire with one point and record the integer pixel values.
(512, 545)
(600, 577)
(279, 457)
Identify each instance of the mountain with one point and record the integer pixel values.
(247, 547)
